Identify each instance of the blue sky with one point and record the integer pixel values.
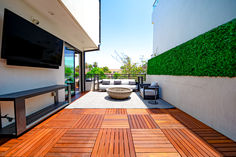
(127, 28)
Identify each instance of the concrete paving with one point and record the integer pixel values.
(102, 100)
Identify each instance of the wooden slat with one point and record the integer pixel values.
(188, 144)
(115, 121)
(137, 111)
(166, 121)
(221, 143)
(152, 142)
(89, 121)
(37, 145)
(188, 120)
(116, 111)
(93, 111)
(76, 142)
(60, 123)
(114, 142)
(106, 132)
(141, 122)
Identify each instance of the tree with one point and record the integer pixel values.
(155, 53)
(128, 67)
(77, 68)
(97, 71)
(68, 71)
(95, 64)
(106, 69)
(90, 67)
(116, 75)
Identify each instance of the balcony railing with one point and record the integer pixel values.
(91, 77)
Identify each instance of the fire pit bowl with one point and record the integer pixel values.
(119, 92)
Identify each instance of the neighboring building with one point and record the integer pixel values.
(211, 100)
(113, 71)
(177, 21)
(75, 22)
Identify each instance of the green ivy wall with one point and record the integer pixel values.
(210, 54)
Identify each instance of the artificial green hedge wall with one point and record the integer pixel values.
(210, 54)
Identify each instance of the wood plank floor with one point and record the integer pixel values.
(120, 132)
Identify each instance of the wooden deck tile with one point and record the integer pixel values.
(37, 145)
(163, 111)
(89, 121)
(141, 122)
(187, 144)
(188, 120)
(106, 132)
(60, 123)
(68, 116)
(114, 142)
(166, 121)
(152, 142)
(157, 155)
(220, 142)
(115, 121)
(75, 142)
(93, 111)
(137, 111)
(116, 111)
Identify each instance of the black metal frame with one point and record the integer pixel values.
(19, 106)
(147, 86)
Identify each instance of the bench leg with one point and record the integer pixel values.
(20, 117)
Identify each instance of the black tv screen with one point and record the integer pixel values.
(25, 44)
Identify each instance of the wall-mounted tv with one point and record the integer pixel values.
(25, 44)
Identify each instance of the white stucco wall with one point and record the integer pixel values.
(211, 100)
(86, 12)
(177, 21)
(18, 78)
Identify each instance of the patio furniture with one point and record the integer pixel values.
(149, 91)
(23, 122)
(123, 83)
(155, 97)
(119, 92)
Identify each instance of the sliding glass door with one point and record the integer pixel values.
(70, 69)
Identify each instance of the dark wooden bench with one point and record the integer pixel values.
(23, 122)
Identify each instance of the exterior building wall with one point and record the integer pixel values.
(87, 13)
(177, 21)
(209, 99)
(18, 78)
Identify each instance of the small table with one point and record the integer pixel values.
(119, 92)
(155, 92)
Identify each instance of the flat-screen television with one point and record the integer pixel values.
(25, 44)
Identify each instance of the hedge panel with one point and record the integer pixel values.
(210, 54)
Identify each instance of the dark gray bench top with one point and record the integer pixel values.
(30, 93)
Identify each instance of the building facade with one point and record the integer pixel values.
(76, 22)
(209, 99)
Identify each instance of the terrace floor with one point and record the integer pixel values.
(120, 132)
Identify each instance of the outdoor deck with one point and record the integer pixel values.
(120, 132)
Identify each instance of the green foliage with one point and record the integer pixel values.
(69, 74)
(210, 54)
(97, 71)
(68, 70)
(128, 67)
(77, 68)
(106, 69)
(116, 75)
(95, 64)
(76, 74)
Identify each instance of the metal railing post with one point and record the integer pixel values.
(97, 82)
(69, 94)
(94, 80)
